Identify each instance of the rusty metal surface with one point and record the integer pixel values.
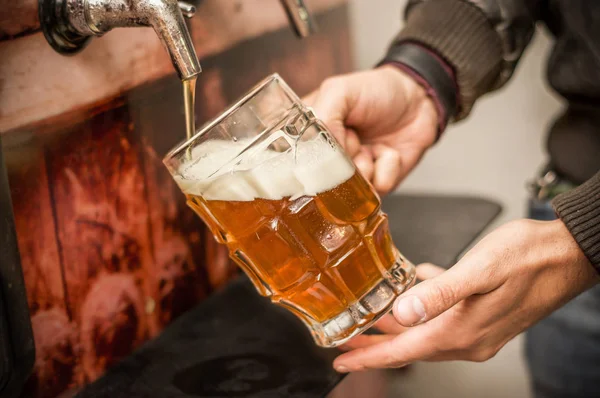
(37, 83)
(18, 18)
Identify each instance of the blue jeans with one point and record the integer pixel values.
(563, 350)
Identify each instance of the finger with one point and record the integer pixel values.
(389, 325)
(436, 295)
(364, 163)
(333, 99)
(427, 271)
(413, 345)
(352, 144)
(387, 168)
(331, 103)
(363, 341)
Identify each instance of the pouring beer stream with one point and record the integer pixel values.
(189, 99)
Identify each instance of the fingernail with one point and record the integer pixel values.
(341, 369)
(410, 310)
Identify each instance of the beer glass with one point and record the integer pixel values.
(273, 185)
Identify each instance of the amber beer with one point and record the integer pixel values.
(294, 212)
(337, 260)
(317, 254)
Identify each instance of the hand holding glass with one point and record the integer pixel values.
(272, 184)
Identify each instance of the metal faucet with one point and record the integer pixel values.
(300, 17)
(68, 25)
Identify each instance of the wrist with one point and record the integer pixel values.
(426, 93)
(432, 73)
(419, 102)
(566, 252)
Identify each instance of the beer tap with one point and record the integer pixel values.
(300, 17)
(68, 25)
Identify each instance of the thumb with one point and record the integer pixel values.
(334, 98)
(434, 296)
(332, 103)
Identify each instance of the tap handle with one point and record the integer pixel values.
(60, 34)
(68, 25)
(300, 17)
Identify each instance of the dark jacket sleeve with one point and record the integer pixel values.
(481, 40)
(579, 209)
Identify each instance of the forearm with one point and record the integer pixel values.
(480, 41)
(579, 209)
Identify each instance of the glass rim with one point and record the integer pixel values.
(241, 101)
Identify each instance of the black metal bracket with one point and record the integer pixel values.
(17, 348)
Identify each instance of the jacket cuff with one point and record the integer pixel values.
(462, 35)
(429, 71)
(579, 209)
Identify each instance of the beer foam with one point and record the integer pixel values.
(312, 168)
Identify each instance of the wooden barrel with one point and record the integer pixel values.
(110, 252)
